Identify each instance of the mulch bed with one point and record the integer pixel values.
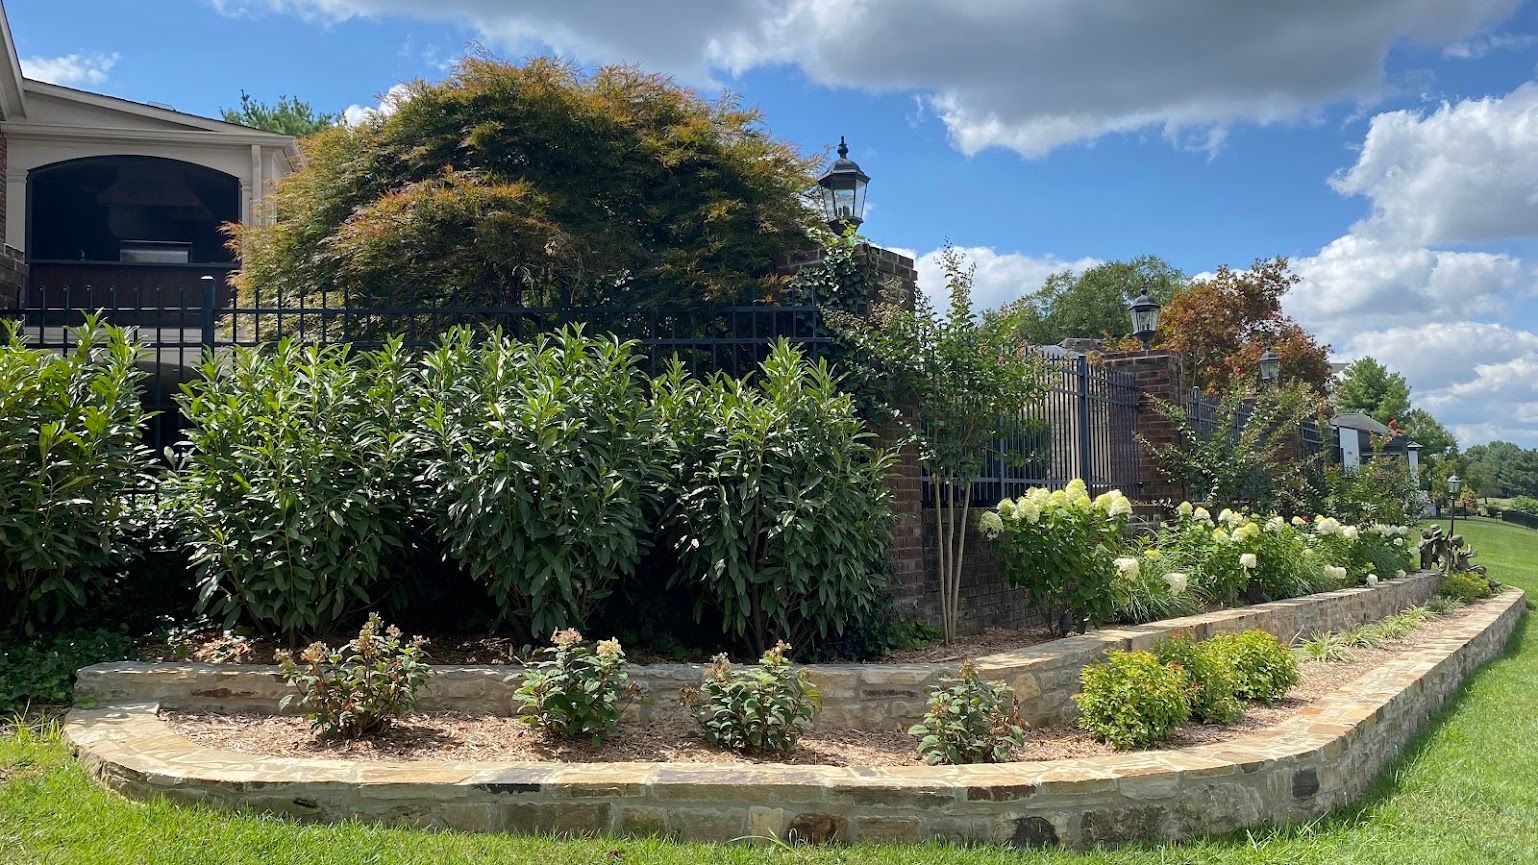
(455, 736)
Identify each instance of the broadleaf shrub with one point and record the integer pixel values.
(1213, 679)
(538, 458)
(971, 721)
(1466, 587)
(1133, 700)
(1266, 670)
(358, 689)
(777, 505)
(294, 492)
(577, 692)
(763, 709)
(71, 452)
(1061, 546)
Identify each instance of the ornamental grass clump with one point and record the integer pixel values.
(1213, 679)
(1061, 546)
(1133, 700)
(971, 721)
(360, 688)
(763, 709)
(1266, 669)
(578, 691)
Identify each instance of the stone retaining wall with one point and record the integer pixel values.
(855, 696)
(1305, 767)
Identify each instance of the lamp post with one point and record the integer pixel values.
(1145, 319)
(843, 192)
(1454, 484)
(1270, 369)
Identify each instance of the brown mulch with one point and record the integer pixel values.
(455, 736)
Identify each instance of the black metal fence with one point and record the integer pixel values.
(1085, 426)
(178, 327)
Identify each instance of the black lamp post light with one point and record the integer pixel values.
(1454, 484)
(1270, 368)
(843, 192)
(1145, 319)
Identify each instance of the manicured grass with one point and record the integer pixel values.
(1466, 792)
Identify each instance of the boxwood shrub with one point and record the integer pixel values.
(1265, 668)
(1133, 700)
(71, 452)
(1212, 677)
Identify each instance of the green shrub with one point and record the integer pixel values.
(972, 721)
(760, 710)
(537, 460)
(1525, 504)
(776, 501)
(294, 495)
(1466, 587)
(1152, 586)
(71, 452)
(41, 669)
(1060, 546)
(1133, 700)
(358, 689)
(1213, 680)
(577, 692)
(1265, 668)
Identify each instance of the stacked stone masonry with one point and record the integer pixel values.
(855, 696)
(1307, 766)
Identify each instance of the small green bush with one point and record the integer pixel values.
(42, 669)
(760, 710)
(577, 692)
(71, 452)
(972, 721)
(294, 495)
(1265, 668)
(1466, 587)
(1213, 680)
(358, 689)
(1133, 700)
(776, 502)
(537, 458)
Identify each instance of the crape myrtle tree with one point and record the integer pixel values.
(958, 380)
(505, 181)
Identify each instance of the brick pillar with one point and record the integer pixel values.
(1157, 375)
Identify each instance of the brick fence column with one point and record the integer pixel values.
(1157, 375)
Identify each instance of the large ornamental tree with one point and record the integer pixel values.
(505, 182)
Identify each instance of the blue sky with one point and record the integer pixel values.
(1389, 147)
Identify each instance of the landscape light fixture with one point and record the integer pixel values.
(843, 192)
(1145, 319)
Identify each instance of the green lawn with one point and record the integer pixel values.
(1466, 792)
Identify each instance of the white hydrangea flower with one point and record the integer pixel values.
(1121, 506)
(990, 524)
(1202, 514)
(1220, 536)
(1350, 533)
(1400, 573)
(1372, 580)
(1177, 582)
(1326, 526)
(1129, 568)
(1007, 509)
(1299, 522)
(1275, 524)
(1225, 515)
(1248, 561)
(1184, 509)
(1336, 572)
(1399, 542)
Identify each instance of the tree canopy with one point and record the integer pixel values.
(504, 181)
(1370, 387)
(1222, 325)
(1094, 303)
(1504, 469)
(288, 116)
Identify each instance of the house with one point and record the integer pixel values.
(120, 196)
(1355, 434)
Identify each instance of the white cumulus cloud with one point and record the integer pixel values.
(71, 70)
(1000, 277)
(1028, 75)
(387, 105)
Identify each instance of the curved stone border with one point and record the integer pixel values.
(1304, 767)
(855, 696)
